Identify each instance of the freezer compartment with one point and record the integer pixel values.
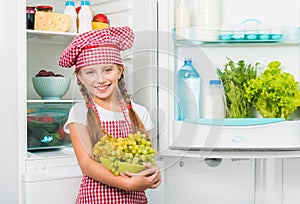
(210, 181)
(51, 177)
(45, 126)
(281, 135)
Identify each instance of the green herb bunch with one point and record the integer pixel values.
(274, 93)
(234, 77)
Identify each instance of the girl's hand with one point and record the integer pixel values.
(149, 178)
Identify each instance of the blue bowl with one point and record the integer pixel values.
(51, 88)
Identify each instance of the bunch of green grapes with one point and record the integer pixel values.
(135, 149)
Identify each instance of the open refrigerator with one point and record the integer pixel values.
(198, 162)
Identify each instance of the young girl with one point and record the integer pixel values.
(107, 109)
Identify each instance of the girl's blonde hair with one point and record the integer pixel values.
(93, 122)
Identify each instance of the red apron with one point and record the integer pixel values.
(94, 192)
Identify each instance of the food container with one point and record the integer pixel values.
(51, 88)
(30, 12)
(123, 167)
(99, 25)
(45, 8)
(45, 126)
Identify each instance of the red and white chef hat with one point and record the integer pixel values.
(97, 47)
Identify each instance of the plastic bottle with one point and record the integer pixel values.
(188, 92)
(85, 17)
(214, 105)
(70, 10)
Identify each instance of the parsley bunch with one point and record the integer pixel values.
(234, 76)
(274, 93)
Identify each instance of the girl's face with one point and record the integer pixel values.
(101, 80)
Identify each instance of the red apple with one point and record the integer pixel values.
(100, 17)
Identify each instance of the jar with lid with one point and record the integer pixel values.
(30, 12)
(45, 8)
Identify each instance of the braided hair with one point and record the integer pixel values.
(136, 123)
(93, 122)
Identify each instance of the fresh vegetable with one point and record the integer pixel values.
(234, 76)
(50, 127)
(46, 119)
(274, 93)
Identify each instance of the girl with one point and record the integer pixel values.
(99, 71)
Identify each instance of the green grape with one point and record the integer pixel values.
(135, 149)
(144, 151)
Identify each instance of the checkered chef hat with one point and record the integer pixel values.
(97, 47)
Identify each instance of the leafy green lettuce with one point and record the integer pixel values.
(274, 93)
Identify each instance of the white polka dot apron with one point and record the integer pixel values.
(94, 192)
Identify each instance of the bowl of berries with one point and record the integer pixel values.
(50, 86)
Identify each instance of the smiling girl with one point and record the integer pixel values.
(107, 108)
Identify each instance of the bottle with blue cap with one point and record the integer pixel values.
(214, 101)
(188, 92)
(70, 10)
(85, 17)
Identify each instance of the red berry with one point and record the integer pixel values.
(42, 73)
(50, 73)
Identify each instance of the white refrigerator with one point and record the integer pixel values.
(197, 165)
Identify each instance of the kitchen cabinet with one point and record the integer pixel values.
(241, 177)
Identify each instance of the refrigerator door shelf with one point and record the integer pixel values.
(234, 136)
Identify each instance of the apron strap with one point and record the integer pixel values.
(127, 121)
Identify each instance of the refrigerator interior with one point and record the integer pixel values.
(210, 55)
(47, 172)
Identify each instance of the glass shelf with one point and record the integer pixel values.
(204, 37)
(49, 37)
(54, 101)
(237, 43)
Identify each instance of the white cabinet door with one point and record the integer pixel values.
(291, 181)
(189, 180)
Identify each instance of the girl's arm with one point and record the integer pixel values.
(93, 169)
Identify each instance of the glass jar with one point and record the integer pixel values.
(45, 8)
(30, 11)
